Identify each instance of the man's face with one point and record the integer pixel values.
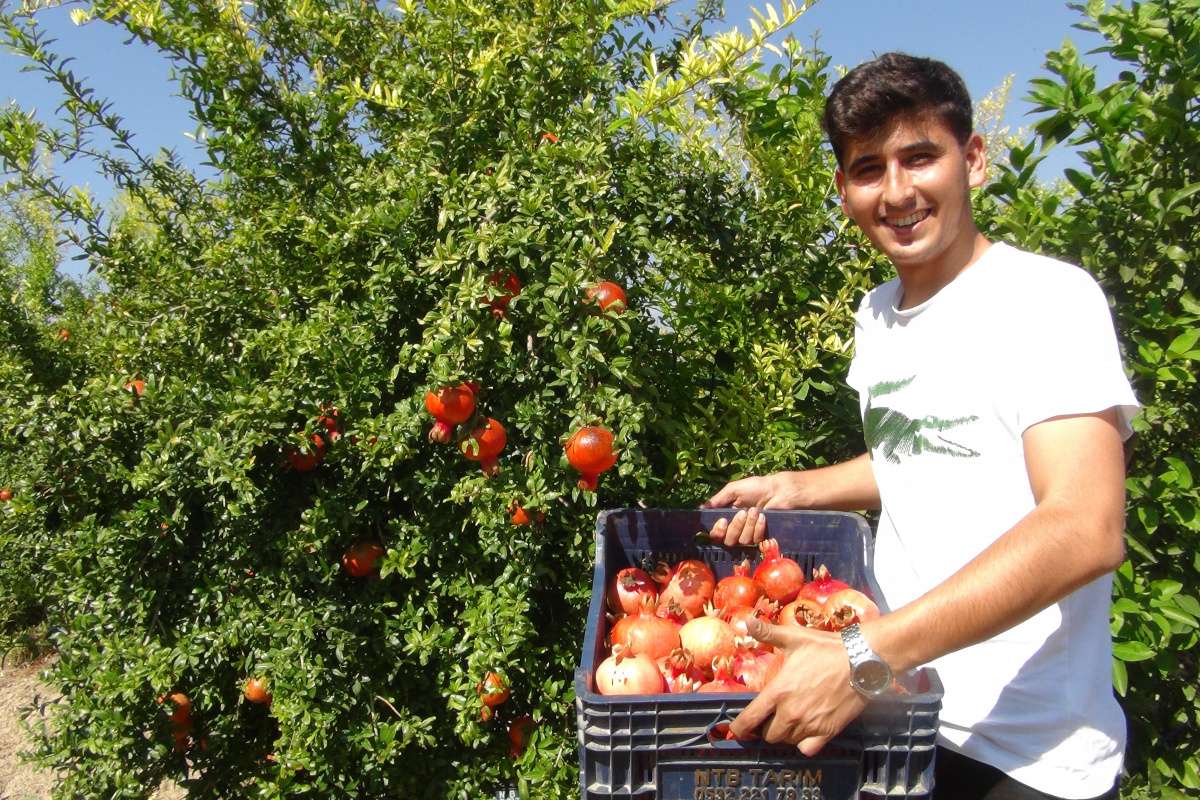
(908, 188)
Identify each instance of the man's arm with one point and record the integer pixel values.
(849, 486)
(1074, 534)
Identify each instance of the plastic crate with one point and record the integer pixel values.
(657, 747)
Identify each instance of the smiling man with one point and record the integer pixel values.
(994, 410)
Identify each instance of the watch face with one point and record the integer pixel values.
(872, 676)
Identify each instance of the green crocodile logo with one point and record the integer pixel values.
(895, 435)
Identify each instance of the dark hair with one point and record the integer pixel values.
(893, 85)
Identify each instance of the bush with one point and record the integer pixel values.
(380, 174)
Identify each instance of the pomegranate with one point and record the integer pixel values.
(765, 610)
(331, 421)
(627, 588)
(806, 613)
(673, 611)
(362, 559)
(511, 285)
(608, 295)
(781, 577)
(484, 445)
(739, 590)
(5, 495)
(822, 585)
(723, 679)
(590, 452)
(63, 334)
(255, 691)
(452, 405)
(520, 516)
(849, 606)
(754, 663)
(622, 673)
(492, 690)
(137, 387)
(646, 633)
(690, 584)
(180, 711)
(519, 731)
(680, 672)
(708, 637)
(307, 461)
(549, 137)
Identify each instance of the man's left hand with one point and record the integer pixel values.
(811, 700)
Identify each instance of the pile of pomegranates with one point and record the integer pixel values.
(678, 629)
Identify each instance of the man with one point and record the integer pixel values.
(994, 411)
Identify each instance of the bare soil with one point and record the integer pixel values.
(20, 687)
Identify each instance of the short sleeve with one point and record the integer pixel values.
(1073, 362)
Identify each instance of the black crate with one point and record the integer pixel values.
(658, 747)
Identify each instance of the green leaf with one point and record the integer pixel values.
(1120, 677)
(1184, 342)
(1133, 651)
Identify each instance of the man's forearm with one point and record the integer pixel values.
(1042, 559)
(1072, 536)
(849, 486)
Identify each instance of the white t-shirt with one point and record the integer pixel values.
(947, 389)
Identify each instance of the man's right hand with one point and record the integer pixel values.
(751, 495)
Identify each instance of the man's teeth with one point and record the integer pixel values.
(912, 219)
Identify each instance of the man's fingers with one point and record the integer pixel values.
(733, 533)
(721, 499)
(760, 529)
(717, 533)
(753, 716)
(813, 745)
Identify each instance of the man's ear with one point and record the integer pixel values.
(839, 178)
(975, 152)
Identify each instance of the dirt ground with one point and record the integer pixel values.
(19, 685)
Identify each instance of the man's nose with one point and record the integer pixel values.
(897, 186)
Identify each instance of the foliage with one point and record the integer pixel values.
(1132, 221)
(32, 295)
(376, 167)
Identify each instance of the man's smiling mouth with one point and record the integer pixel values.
(906, 223)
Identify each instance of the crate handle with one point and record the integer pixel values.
(719, 735)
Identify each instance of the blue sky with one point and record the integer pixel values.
(983, 41)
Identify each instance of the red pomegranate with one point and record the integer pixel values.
(607, 294)
(739, 590)
(307, 460)
(512, 287)
(781, 577)
(646, 633)
(450, 406)
(848, 606)
(690, 584)
(484, 445)
(590, 452)
(822, 585)
(627, 588)
(680, 672)
(362, 559)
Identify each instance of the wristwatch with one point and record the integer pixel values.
(869, 674)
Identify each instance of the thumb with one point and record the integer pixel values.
(813, 745)
(774, 635)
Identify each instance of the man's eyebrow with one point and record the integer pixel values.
(924, 144)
